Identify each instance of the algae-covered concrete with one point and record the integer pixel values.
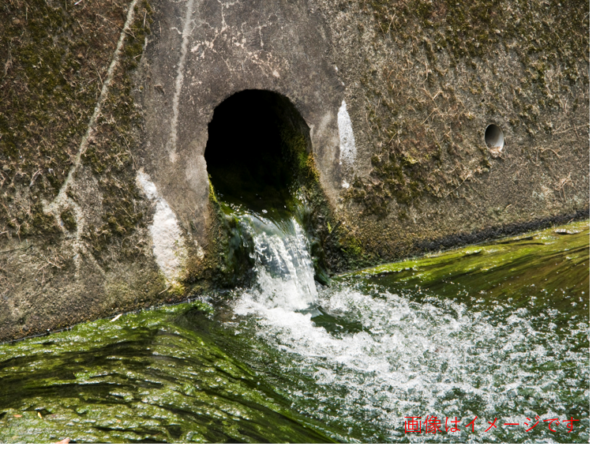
(73, 236)
(105, 201)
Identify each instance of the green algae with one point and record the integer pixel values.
(540, 266)
(154, 376)
(188, 373)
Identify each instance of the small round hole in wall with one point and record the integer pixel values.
(494, 139)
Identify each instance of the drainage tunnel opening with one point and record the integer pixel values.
(256, 141)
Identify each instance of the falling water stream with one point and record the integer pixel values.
(494, 331)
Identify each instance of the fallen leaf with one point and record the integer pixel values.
(40, 414)
(64, 441)
(18, 416)
(116, 317)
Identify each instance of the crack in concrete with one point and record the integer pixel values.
(185, 34)
(62, 200)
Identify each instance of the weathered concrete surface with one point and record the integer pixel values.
(204, 52)
(412, 148)
(115, 213)
(74, 240)
(421, 95)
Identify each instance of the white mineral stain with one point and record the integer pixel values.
(167, 238)
(172, 144)
(347, 143)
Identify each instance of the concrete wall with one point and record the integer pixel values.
(114, 212)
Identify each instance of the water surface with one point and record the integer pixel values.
(493, 331)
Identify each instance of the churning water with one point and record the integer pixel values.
(401, 358)
(374, 357)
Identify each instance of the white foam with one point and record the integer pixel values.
(285, 275)
(416, 359)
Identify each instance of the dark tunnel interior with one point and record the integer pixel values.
(247, 157)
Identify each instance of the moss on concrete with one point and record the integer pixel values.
(333, 247)
(440, 73)
(68, 220)
(54, 56)
(433, 77)
(110, 155)
(534, 31)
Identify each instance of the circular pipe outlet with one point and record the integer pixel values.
(494, 139)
